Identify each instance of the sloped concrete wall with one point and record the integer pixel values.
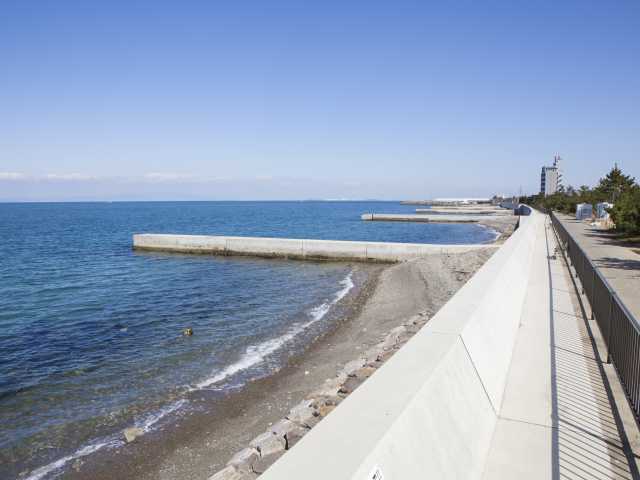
(295, 248)
(431, 410)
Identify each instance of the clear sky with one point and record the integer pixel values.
(279, 100)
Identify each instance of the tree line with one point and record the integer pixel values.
(617, 188)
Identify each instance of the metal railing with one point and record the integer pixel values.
(618, 326)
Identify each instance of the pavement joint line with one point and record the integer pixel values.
(525, 422)
(574, 353)
(567, 426)
(479, 377)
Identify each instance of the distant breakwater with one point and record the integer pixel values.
(299, 249)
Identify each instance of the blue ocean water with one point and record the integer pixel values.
(90, 331)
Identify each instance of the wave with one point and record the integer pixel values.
(41, 472)
(255, 354)
(147, 423)
(496, 234)
(112, 441)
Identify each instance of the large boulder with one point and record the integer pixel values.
(350, 385)
(364, 372)
(268, 443)
(243, 460)
(265, 462)
(304, 414)
(329, 388)
(352, 366)
(228, 473)
(131, 433)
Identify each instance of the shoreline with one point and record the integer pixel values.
(202, 443)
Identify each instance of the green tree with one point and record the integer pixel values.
(613, 185)
(625, 213)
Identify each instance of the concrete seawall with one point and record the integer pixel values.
(432, 409)
(295, 248)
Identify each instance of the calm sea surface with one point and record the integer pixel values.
(90, 331)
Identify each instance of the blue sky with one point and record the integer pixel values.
(276, 100)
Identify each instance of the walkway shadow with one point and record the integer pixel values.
(618, 263)
(588, 439)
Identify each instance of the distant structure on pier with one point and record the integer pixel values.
(551, 178)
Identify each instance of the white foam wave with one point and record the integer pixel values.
(255, 354)
(54, 468)
(147, 424)
(496, 234)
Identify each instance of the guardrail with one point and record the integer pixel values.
(617, 324)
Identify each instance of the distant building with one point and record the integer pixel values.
(551, 178)
(460, 201)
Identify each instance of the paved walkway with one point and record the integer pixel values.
(619, 264)
(558, 419)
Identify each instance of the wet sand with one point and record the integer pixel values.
(203, 441)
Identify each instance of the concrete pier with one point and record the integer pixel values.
(422, 217)
(464, 211)
(296, 248)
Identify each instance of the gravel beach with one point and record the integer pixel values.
(203, 442)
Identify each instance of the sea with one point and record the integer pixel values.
(91, 331)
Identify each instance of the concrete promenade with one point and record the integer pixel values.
(504, 382)
(296, 248)
(619, 264)
(558, 418)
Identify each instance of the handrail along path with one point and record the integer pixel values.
(619, 327)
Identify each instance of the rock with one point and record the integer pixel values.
(350, 385)
(341, 377)
(389, 342)
(243, 460)
(265, 462)
(400, 334)
(384, 356)
(281, 427)
(413, 329)
(268, 444)
(325, 410)
(372, 354)
(412, 320)
(131, 433)
(228, 473)
(329, 388)
(303, 413)
(352, 366)
(294, 436)
(398, 331)
(333, 400)
(364, 372)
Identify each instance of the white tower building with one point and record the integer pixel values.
(551, 178)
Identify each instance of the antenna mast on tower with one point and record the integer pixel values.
(556, 163)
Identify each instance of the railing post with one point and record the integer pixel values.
(609, 333)
(592, 300)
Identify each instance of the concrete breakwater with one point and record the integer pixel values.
(464, 211)
(302, 249)
(423, 217)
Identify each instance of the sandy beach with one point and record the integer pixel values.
(202, 442)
